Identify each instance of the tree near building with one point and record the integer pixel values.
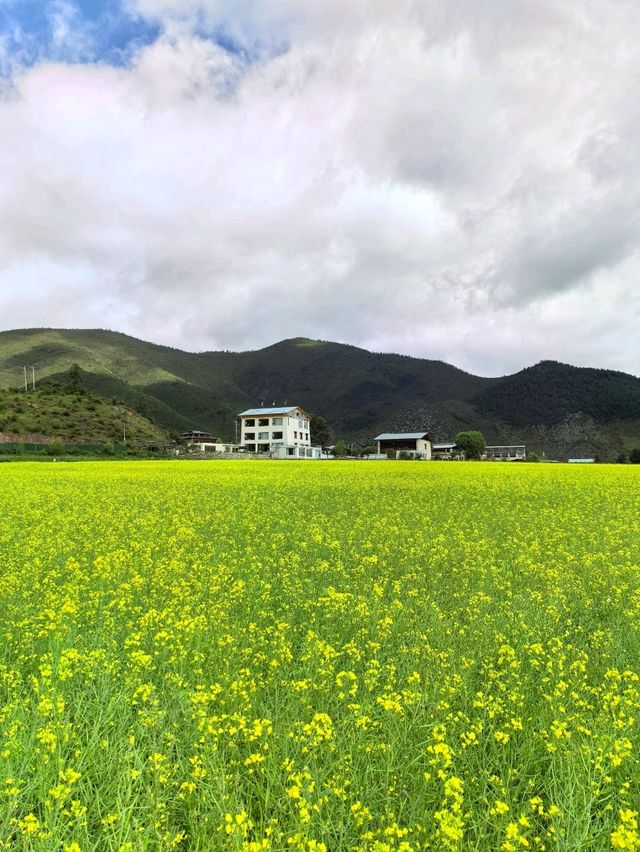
(472, 444)
(341, 448)
(634, 455)
(320, 431)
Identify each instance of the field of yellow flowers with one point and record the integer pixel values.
(321, 656)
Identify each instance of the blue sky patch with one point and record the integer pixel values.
(98, 31)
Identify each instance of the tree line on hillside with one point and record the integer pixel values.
(546, 393)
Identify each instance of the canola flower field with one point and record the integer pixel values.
(319, 656)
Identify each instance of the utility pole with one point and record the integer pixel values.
(123, 413)
(26, 385)
(33, 375)
(542, 431)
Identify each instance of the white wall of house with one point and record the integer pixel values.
(266, 430)
(207, 447)
(424, 448)
(299, 452)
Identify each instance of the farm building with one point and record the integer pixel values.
(510, 453)
(203, 442)
(283, 432)
(445, 451)
(414, 443)
(196, 437)
(211, 447)
(297, 453)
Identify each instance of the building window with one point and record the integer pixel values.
(263, 436)
(249, 436)
(249, 422)
(263, 421)
(263, 448)
(276, 436)
(299, 424)
(277, 421)
(290, 451)
(251, 448)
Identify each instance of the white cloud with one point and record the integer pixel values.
(456, 180)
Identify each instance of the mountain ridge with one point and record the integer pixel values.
(359, 392)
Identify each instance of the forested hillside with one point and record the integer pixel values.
(550, 406)
(549, 391)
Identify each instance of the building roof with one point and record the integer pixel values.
(256, 412)
(401, 436)
(443, 446)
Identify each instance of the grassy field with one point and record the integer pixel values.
(329, 656)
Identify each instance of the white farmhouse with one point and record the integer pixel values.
(414, 443)
(281, 432)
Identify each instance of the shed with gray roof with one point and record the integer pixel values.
(414, 443)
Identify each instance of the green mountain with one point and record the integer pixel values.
(562, 409)
(547, 392)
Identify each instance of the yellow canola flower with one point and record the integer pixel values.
(29, 824)
(366, 654)
(626, 836)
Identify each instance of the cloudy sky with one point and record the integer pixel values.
(456, 180)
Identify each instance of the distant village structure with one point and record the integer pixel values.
(204, 442)
(283, 432)
(391, 444)
(395, 445)
(445, 451)
(508, 453)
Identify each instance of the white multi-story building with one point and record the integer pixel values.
(282, 432)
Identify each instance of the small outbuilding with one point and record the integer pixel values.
(392, 444)
(194, 436)
(505, 453)
(445, 451)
